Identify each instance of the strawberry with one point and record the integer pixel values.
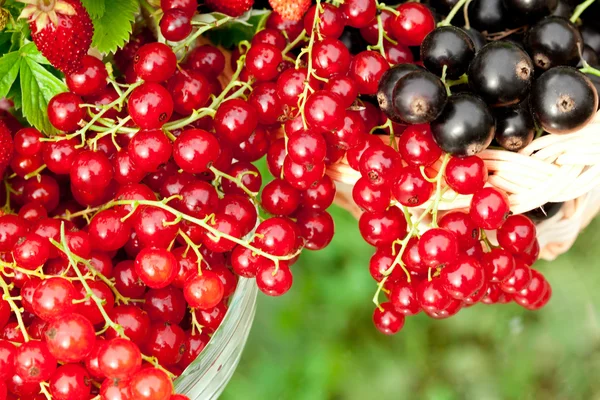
(6, 147)
(61, 29)
(233, 8)
(291, 10)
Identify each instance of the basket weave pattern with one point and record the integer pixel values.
(553, 168)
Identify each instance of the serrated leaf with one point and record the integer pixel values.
(95, 8)
(113, 29)
(15, 95)
(9, 69)
(38, 86)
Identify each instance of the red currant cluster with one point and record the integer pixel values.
(442, 264)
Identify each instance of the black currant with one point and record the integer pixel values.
(515, 128)
(563, 100)
(465, 127)
(488, 15)
(419, 97)
(477, 38)
(450, 47)
(544, 212)
(385, 92)
(553, 41)
(501, 73)
(530, 10)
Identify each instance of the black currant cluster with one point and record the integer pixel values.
(518, 69)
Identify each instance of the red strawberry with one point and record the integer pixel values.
(233, 8)
(6, 147)
(291, 10)
(61, 29)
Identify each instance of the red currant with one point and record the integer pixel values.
(466, 175)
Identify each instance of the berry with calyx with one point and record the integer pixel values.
(61, 29)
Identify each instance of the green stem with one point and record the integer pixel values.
(16, 310)
(452, 13)
(314, 32)
(192, 38)
(580, 9)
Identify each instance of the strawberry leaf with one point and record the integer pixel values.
(113, 28)
(38, 86)
(95, 8)
(9, 69)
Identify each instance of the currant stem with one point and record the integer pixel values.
(192, 38)
(380, 37)
(155, 364)
(237, 180)
(210, 110)
(452, 13)
(195, 249)
(310, 72)
(439, 192)
(195, 324)
(16, 310)
(580, 9)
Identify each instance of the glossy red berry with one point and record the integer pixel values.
(499, 265)
(489, 208)
(190, 91)
(70, 337)
(359, 13)
(517, 234)
(462, 277)
(53, 297)
(387, 320)
(344, 87)
(58, 156)
(276, 236)
(235, 120)
(89, 79)
(165, 342)
(404, 298)
(534, 292)
(411, 188)
(466, 175)
(519, 279)
(155, 62)
(157, 268)
(331, 20)
(438, 247)
(150, 384)
(366, 70)
(150, 106)
(316, 228)
(135, 323)
(119, 358)
(31, 251)
(330, 57)
(417, 147)
(189, 6)
(108, 232)
(12, 228)
(382, 228)
(196, 150)
(207, 60)
(380, 164)
(370, 197)
(463, 227)
(274, 281)
(307, 148)
(265, 101)
(33, 362)
(225, 225)
(324, 111)
(70, 381)
(65, 111)
(301, 176)
(280, 198)
(413, 22)
(154, 226)
(175, 25)
(432, 297)
(27, 142)
(262, 61)
(203, 291)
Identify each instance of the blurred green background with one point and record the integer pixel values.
(318, 341)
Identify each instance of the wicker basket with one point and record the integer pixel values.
(553, 168)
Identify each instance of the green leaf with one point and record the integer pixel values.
(31, 51)
(9, 69)
(112, 30)
(238, 30)
(15, 95)
(5, 42)
(38, 86)
(96, 8)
